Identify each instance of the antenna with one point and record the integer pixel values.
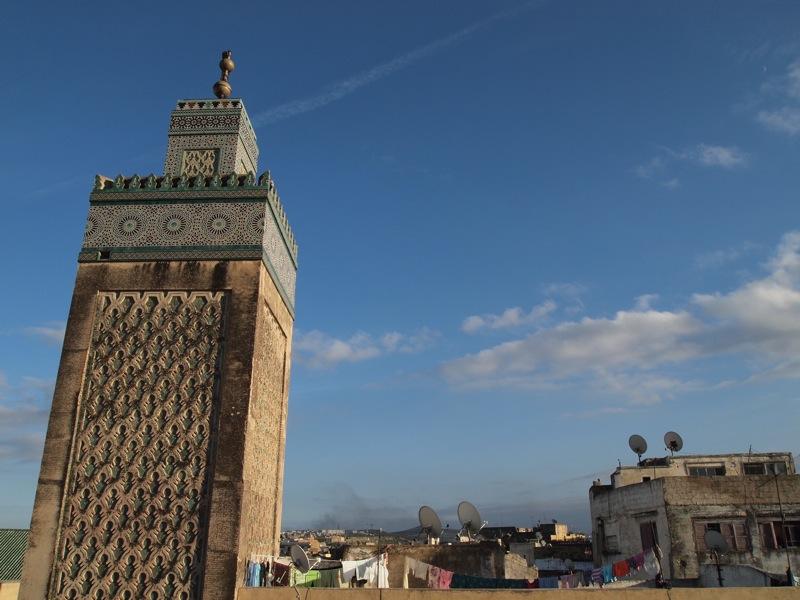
(470, 518)
(638, 444)
(430, 523)
(673, 442)
(300, 559)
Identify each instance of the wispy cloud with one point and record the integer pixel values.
(23, 416)
(317, 349)
(719, 258)
(345, 87)
(785, 116)
(658, 167)
(509, 318)
(629, 352)
(52, 333)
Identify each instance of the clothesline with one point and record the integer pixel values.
(646, 561)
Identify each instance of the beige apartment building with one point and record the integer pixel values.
(752, 499)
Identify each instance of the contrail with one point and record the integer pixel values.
(345, 87)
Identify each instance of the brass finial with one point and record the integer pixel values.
(222, 89)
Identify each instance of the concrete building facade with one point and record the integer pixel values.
(673, 503)
(163, 463)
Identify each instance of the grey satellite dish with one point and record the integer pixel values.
(300, 559)
(430, 523)
(470, 518)
(673, 442)
(717, 545)
(638, 444)
(715, 542)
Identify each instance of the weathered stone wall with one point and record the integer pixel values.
(265, 438)
(745, 498)
(622, 511)
(484, 559)
(239, 282)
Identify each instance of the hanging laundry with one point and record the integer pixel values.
(420, 569)
(445, 578)
(330, 578)
(433, 577)
(651, 565)
(638, 560)
(597, 575)
(532, 584)
(608, 574)
(620, 568)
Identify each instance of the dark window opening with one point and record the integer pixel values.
(649, 535)
(765, 468)
(734, 532)
(707, 471)
(774, 536)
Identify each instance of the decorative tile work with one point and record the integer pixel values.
(276, 256)
(173, 225)
(167, 189)
(134, 517)
(199, 162)
(197, 124)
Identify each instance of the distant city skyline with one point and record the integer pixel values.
(527, 230)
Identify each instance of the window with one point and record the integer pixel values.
(734, 532)
(649, 535)
(774, 536)
(707, 471)
(765, 468)
(611, 544)
(645, 479)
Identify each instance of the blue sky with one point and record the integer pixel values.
(527, 230)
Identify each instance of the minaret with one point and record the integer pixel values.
(163, 464)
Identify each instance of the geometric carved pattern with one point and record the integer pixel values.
(227, 145)
(199, 162)
(134, 515)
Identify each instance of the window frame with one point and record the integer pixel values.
(694, 470)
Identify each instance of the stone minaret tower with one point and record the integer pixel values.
(163, 465)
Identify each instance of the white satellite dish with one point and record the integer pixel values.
(300, 559)
(470, 518)
(673, 442)
(638, 444)
(430, 523)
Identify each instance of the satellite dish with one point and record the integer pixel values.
(638, 444)
(300, 559)
(715, 542)
(429, 522)
(673, 442)
(470, 517)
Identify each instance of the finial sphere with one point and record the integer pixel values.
(222, 89)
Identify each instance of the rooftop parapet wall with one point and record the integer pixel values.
(770, 593)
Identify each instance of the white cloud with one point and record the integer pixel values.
(631, 352)
(509, 318)
(726, 157)
(704, 155)
(783, 120)
(320, 350)
(52, 333)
